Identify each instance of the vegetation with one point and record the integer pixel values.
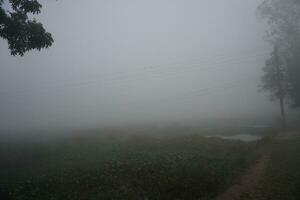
(123, 167)
(22, 33)
(282, 177)
(282, 70)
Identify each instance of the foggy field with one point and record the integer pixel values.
(150, 100)
(123, 167)
(282, 177)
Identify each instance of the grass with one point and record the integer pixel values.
(282, 178)
(123, 167)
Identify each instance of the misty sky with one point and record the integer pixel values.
(116, 61)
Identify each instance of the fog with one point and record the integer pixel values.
(123, 62)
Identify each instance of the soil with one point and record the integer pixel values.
(245, 187)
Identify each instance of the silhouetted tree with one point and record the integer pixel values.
(282, 69)
(275, 80)
(22, 33)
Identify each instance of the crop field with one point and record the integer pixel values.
(122, 167)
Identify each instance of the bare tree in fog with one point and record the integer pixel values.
(282, 69)
(22, 33)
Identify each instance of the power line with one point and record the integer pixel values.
(118, 79)
(203, 91)
(187, 95)
(142, 105)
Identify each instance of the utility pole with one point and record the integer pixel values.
(281, 90)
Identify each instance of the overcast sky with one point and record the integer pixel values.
(116, 61)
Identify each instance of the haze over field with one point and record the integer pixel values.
(133, 61)
(154, 100)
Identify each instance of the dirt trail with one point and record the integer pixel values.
(244, 189)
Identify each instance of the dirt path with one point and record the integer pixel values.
(244, 189)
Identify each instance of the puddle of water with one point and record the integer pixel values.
(242, 137)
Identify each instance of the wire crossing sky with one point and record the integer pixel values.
(137, 61)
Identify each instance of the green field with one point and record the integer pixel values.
(122, 167)
(282, 177)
